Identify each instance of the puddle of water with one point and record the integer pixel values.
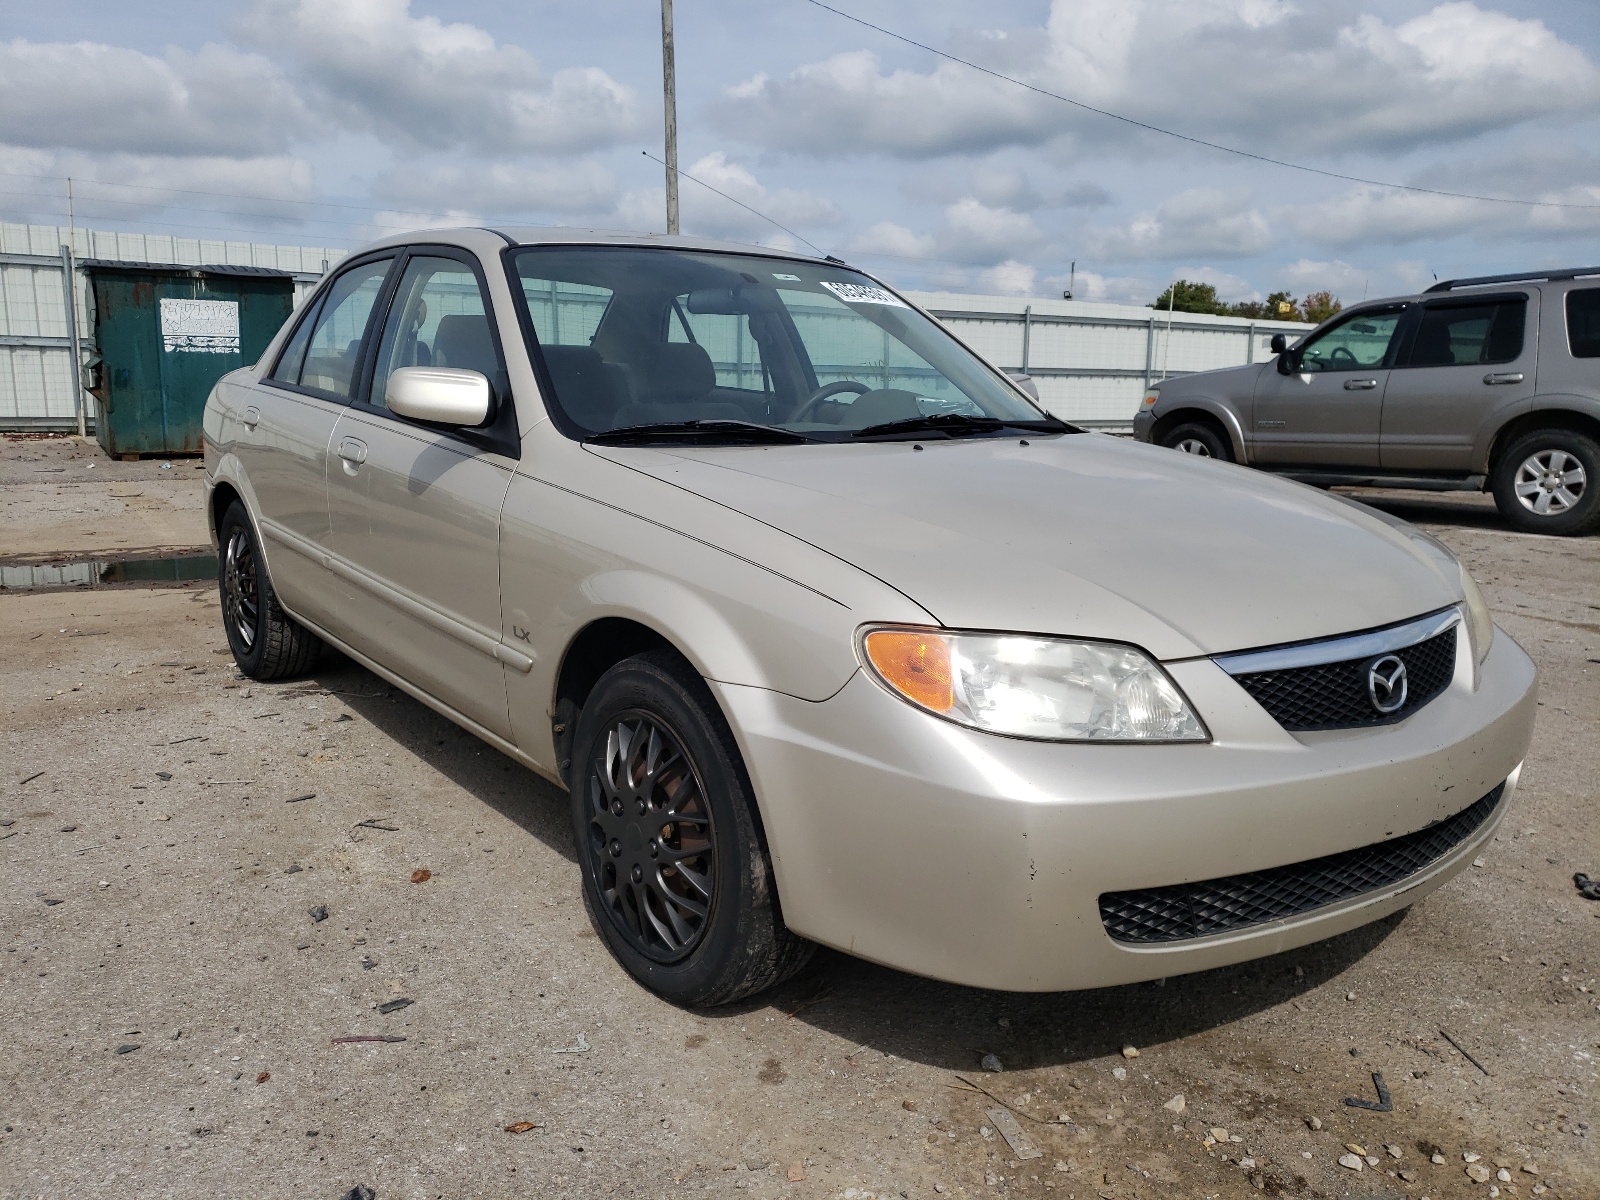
(106, 572)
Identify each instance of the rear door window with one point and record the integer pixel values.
(1472, 334)
(1583, 322)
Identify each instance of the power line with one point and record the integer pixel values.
(741, 204)
(1184, 137)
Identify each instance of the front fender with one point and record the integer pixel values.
(1222, 411)
(567, 561)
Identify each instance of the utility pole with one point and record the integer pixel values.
(669, 88)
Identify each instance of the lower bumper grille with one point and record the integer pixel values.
(1193, 910)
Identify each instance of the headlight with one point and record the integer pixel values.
(1033, 687)
(1151, 397)
(1480, 625)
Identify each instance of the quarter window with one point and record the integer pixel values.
(1451, 335)
(1359, 343)
(334, 350)
(438, 319)
(1583, 322)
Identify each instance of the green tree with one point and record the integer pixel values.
(1319, 306)
(1185, 295)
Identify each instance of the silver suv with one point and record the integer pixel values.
(1478, 384)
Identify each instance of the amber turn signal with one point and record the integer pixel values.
(914, 663)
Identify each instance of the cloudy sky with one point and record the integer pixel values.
(327, 122)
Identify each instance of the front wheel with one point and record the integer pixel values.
(1549, 482)
(266, 642)
(1198, 438)
(676, 876)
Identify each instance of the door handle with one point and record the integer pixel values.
(353, 452)
(1360, 385)
(252, 418)
(1503, 377)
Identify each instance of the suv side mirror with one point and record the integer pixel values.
(1280, 343)
(444, 395)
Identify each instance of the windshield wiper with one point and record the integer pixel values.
(709, 431)
(959, 425)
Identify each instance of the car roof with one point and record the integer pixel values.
(485, 239)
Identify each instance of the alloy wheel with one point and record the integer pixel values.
(650, 838)
(1191, 445)
(1550, 482)
(241, 593)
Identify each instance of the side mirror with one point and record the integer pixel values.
(1280, 343)
(1025, 382)
(444, 395)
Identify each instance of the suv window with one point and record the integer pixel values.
(1450, 335)
(1361, 342)
(1583, 322)
(334, 349)
(439, 318)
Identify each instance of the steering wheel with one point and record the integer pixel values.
(1342, 360)
(826, 391)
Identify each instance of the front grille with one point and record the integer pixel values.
(1335, 696)
(1192, 910)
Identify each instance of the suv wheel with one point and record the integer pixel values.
(266, 642)
(1198, 437)
(676, 876)
(1549, 482)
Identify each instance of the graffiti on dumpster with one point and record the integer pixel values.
(200, 326)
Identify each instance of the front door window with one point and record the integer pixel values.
(1360, 343)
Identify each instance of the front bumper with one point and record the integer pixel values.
(980, 860)
(1144, 421)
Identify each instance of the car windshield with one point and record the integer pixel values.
(655, 344)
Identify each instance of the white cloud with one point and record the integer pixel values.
(846, 104)
(137, 187)
(894, 241)
(1367, 216)
(1009, 278)
(88, 96)
(1254, 70)
(579, 188)
(418, 80)
(705, 211)
(1348, 283)
(976, 231)
(1197, 221)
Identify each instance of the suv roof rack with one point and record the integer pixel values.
(1525, 277)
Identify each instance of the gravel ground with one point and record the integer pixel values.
(172, 1003)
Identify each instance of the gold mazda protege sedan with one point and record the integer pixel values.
(833, 635)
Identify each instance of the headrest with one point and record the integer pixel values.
(672, 372)
(463, 341)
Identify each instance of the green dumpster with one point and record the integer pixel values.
(164, 336)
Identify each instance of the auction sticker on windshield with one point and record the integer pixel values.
(860, 293)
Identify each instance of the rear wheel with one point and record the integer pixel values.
(676, 875)
(266, 642)
(1548, 481)
(1199, 438)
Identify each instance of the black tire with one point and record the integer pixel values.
(645, 862)
(1200, 438)
(266, 642)
(1554, 469)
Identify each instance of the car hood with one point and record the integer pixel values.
(1081, 535)
(1235, 382)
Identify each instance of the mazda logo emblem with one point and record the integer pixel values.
(1386, 684)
